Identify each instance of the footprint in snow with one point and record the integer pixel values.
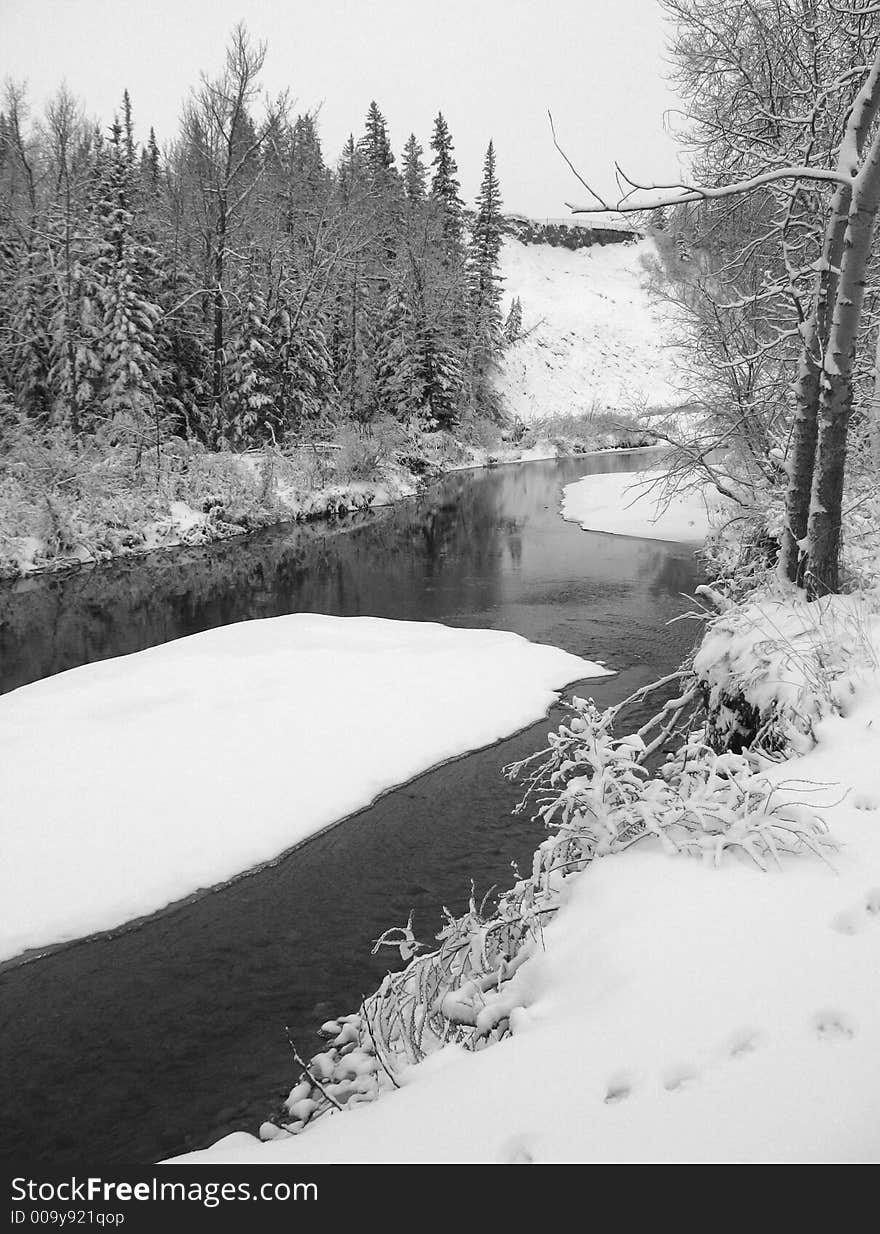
(620, 1086)
(852, 921)
(832, 1025)
(745, 1041)
(516, 1152)
(865, 801)
(677, 1079)
(849, 922)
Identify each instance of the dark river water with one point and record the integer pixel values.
(163, 1037)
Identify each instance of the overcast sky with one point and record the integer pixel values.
(493, 67)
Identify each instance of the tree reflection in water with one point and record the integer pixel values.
(482, 548)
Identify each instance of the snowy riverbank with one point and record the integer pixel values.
(181, 766)
(679, 1010)
(590, 362)
(204, 498)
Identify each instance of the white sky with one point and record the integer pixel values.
(493, 67)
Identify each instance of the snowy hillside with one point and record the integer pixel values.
(594, 339)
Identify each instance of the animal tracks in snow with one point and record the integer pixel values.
(677, 1079)
(684, 1076)
(832, 1025)
(854, 920)
(517, 1151)
(829, 1024)
(847, 922)
(620, 1086)
(745, 1041)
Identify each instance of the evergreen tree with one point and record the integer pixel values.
(251, 381)
(414, 172)
(151, 165)
(129, 346)
(441, 369)
(484, 283)
(24, 363)
(513, 324)
(128, 128)
(308, 384)
(350, 174)
(386, 192)
(399, 384)
(375, 148)
(445, 187)
(233, 287)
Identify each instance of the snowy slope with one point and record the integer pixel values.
(129, 784)
(595, 340)
(678, 1012)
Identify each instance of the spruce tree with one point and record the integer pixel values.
(350, 173)
(513, 324)
(399, 384)
(251, 382)
(27, 369)
(375, 148)
(445, 188)
(386, 193)
(129, 346)
(151, 165)
(484, 283)
(414, 173)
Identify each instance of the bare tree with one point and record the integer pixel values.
(227, 146)
(788, 94)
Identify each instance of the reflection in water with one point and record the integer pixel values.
(476, 551)
(137, 1046)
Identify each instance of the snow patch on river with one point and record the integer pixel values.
(641, 505)
(129, 784)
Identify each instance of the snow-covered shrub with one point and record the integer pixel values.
(771, 668)
(360, 456)
(595, 795)
(65, 502)
(700, 802)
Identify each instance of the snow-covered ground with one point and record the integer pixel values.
(131, 783)
(640, 505)
(594, 341)
(680, 1012)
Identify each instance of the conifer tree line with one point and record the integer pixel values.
(234, 288)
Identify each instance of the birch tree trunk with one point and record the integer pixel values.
(835, 408)
(796, 541)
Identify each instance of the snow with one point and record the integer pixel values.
(602, 220)
(639, 506)
(594, 339)
(678, 1012)
(129, 784)
(772, 647)
(184, 516)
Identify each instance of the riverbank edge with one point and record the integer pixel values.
(341, 502)
(859, 677)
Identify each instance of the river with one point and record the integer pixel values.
(163, 1037)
